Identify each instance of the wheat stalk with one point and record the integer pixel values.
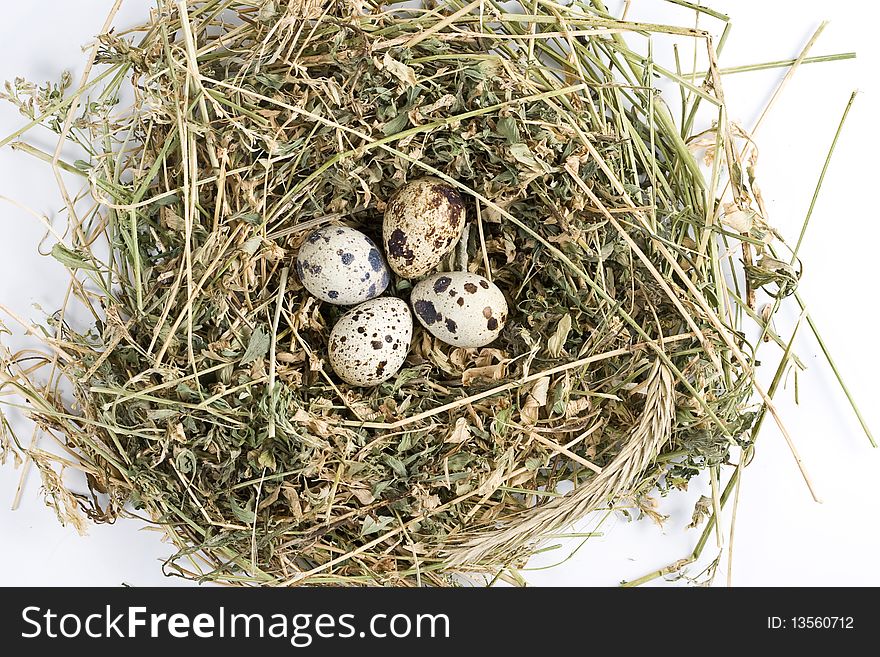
(647, 438)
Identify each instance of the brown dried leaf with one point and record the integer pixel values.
(399, 70)
(363, 495)
(490, 373)
(292, 497)
(702, 510)
(460, 432)
(536, 399)
(557, 341)
(741, 221)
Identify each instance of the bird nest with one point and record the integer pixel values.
(199, 395)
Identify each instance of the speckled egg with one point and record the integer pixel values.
(460, 308)
(341, 265)
(370, 342)
(423, 221)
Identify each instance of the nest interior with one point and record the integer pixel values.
(202, 391)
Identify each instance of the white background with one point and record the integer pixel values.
(782, 537)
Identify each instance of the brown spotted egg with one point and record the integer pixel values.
(460, 308)
(423, 221)
(341, 265)
(370, 342)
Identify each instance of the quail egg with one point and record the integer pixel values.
(342, 266)
(423, 221)
(460, 308)
(369, 343)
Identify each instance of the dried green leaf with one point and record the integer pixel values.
(258, 346)
(371, 525)
(72, 258)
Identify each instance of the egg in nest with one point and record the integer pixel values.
(423, 221)
(460, 308)
(341, 265)
(370, 342)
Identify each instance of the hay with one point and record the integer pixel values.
(202, 391)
